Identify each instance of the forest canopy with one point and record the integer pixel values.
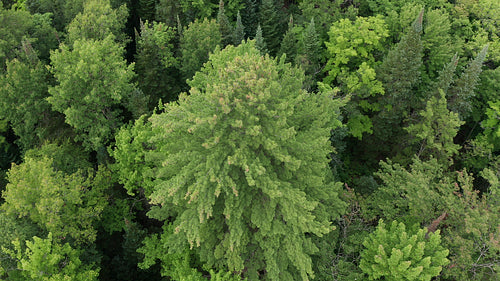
(249, 140)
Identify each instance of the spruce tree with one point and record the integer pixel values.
(242, 164)
(312, 49)
(460, 94)
(289, 43)
(226, 30)
(270, 23)
(250, 17)
(239, 31)
(400, 71)
(260, 44)
(446, 76)
(155, 63)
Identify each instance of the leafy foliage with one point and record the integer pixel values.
(46, 260)
(66, 205)
(197, 41)
(92, 80)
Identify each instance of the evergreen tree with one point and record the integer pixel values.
(146, 9)
(395, 253)
(260, 187)
(226, 30)
(289, 43)
(446, 77)
(155, 63)
(400, 72)
(461, 93)
(270, 22)
(250, 17)
(312, 50)
(435, 130)
(167, 11)
(260, 44)
(239, 31)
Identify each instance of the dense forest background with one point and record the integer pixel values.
(249, 139)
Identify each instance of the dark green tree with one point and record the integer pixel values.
(226, 29)
(155, 63)
(400, 73)
(239, 31)
(271, 24)
(312, 51)
(167, 11)
(261, 186)
(289, 44)
(23, 98)
(250, 17)
(461, 93)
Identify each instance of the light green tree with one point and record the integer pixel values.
(351, 65)
(93, 80)
(97, 21)
(435, 130)
(197, 41)
(395, 253)
(66, 205)
(47, 260)
(245, 166)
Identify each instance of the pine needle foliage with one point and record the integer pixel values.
(243, 161)
(394, 253)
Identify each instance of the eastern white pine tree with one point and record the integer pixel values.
(243, 163)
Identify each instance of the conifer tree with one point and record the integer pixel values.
(239, 31)
(250, 17)
(394, 253)
(289, 43)
(226, 30)
(155, 62)
(435, 130)
(270, 23)
(167, 11)
(400, 71)
(312, 49)
(260, 44)
(243, 162)
(446, 76)
(461, 93)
